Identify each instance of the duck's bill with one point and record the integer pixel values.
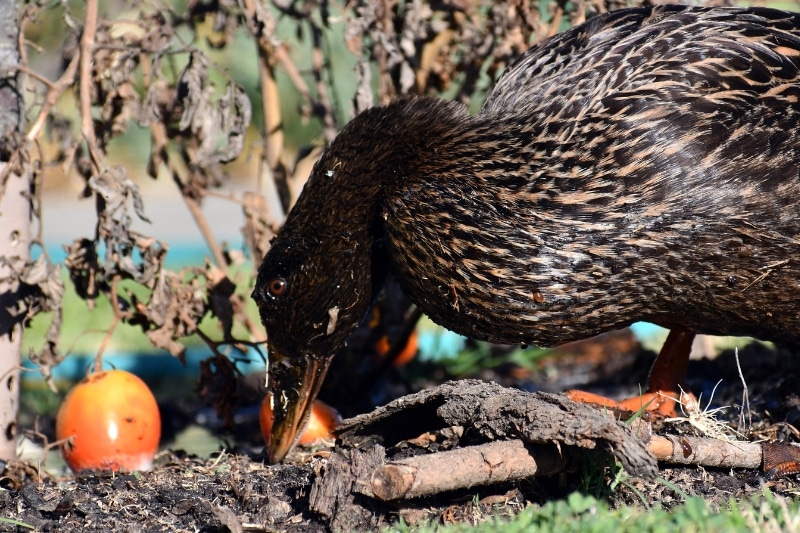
(294, 383)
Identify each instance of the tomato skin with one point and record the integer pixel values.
(113, 421)
(321, 423)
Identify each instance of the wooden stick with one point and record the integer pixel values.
(510, 460)
(707, 452)
(495, 462)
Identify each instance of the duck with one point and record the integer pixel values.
(641, 166)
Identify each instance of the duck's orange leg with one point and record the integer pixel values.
(663, 388)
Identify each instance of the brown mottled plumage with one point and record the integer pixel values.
(641, 166)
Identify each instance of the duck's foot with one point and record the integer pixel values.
(664, 391)
(659, 402)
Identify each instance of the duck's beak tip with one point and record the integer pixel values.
(294, 383)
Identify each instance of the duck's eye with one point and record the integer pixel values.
(277, 286)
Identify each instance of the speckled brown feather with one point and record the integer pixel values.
(616, 190)
(642, 166)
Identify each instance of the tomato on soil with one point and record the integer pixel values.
(113, 421)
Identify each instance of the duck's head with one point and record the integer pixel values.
(314, 286)
(306, 320)
(329, 261)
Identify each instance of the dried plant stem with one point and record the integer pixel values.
(39, 77)
(280, 55)
(745, 414)
(273, 138)
(270, 98)
(87, 42)
(325, 111)
(55, 90)
(386, 88)
(208, 235)
(270, 108)
(239, 306)
(430, 54)
(556, 21)
(160, 136)
(98, 359)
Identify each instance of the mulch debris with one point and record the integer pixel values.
(373, 476)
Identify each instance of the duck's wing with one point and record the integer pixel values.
(554, 66)
(661, 103)
(657, 54)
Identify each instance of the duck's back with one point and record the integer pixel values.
(653, 55)
(674, 101)
(643, 165)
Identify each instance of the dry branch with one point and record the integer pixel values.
(87, 42)
(685, 450)
(511, 460)
(495, 462)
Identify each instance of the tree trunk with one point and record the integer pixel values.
(15, 216)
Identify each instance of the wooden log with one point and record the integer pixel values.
(484, 464)
(716, 453)
(496, 413)
(335, 493)
(511, 460)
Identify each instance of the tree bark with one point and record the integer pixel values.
(15, 216)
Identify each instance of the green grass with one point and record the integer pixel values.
(580, 513)
(475, 359)
(11, 522)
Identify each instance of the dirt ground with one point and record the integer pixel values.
(237, 491)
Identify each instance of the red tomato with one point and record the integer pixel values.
(113, 421)
(322, 421)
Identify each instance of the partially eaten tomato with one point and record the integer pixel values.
(111, 422)
(323, 420)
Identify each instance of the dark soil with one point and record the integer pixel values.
(237, 491)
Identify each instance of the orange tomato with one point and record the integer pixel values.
(113, 421)
(405, 356)
(321, 423)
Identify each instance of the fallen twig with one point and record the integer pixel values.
(494, 462)
(510, 460)
(686, 450)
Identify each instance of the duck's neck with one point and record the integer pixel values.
(375, 150)
(338, 215)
